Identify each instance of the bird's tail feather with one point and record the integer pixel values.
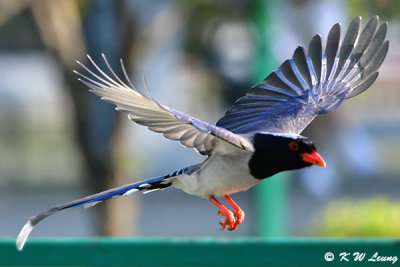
(146, 186)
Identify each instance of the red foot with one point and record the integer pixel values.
(229, 221)
(239, 213)
(228, 214)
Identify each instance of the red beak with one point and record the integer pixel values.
(313, 158)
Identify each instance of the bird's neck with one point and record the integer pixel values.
(261, 166)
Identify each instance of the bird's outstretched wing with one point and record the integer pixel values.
(311, 84)
(174, 125)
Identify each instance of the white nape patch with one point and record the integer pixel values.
(23, 235)
(144, 185)
(130, 191)
(288, 135)
(152, 190)
(91, 204)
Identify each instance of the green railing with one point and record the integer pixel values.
(195, 252)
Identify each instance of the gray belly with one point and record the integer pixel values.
(222, 174)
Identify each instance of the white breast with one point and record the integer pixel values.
(225, 172)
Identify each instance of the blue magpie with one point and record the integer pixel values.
(259, 135)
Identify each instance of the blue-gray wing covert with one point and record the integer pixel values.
(311, 84)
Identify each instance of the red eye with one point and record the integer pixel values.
(294, 146)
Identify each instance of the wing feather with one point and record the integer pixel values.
(287, 70)
(348, 44)
(331, 49)
(374, 46)
(314, 83)
(174, 125)
(300, 59)
(363, 43)
(315, 53)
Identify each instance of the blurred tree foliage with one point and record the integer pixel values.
(386, 9)
(372, 217)
(203, 18)
(203, 13)
(69, 29)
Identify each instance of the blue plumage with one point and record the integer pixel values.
(311, 84)
(152, 184)
(259, 135)
(125, 189)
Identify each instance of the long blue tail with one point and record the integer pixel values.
(146, 186)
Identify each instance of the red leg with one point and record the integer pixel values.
(239, 214)
(230, 218)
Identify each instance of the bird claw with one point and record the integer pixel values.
(230, 219)
(240, 218)
(230, 222)
(240, 215)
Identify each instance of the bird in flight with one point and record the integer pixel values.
(259, 135)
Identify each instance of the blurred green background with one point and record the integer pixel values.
(59, 143)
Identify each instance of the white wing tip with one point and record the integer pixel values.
(23, 235)
(91, 204)
(131, 191)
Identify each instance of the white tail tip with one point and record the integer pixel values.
(23, 235)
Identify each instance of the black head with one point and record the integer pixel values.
(282, 152)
